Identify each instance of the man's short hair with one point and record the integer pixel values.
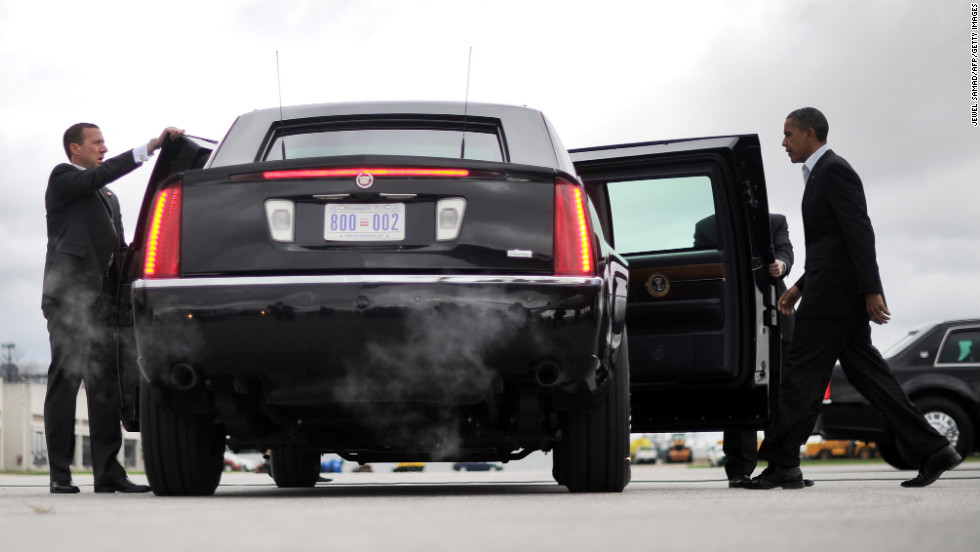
(811, 117)
(76, 135)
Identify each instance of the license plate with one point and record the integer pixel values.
(364, 222)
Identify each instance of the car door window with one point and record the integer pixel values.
(962, 346)
(663, 214)
(680, 251)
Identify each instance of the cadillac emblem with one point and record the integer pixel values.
(364, 180)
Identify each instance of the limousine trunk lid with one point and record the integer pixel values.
(367, 214)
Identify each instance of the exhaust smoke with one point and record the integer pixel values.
(410, 386)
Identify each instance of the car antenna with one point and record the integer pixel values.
(281, 128)
(466, 104)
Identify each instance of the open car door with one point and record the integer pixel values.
(692, 219)
(185, 153)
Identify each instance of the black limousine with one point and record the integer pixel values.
(423, 281)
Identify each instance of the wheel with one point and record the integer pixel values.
(950, 420)
(183, 452)
(593, 454)
(865, 453)
(824, 454)
(295, 468)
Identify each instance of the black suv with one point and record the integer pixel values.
(938, 366)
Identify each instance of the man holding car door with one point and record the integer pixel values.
(85, 241)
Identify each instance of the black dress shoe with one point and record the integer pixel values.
(743, 480)
(63, 487)
(738, 481)
(938, 462)
(773, 477)
(123, 485)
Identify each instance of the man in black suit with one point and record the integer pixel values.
(841, 294)
(741, 445)
(85, 240)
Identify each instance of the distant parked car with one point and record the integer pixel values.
(645, 455)
(331, 464)
(938, 366)
(234, 462)
(477, 466)
(716, 456)
(643, 451)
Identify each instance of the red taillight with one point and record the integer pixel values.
(826, 394)
(375, 171)
(573, 237)
(162, 258)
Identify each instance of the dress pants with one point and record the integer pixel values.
(82, 349)
(741, 446)
(740, 452)
(818, 343)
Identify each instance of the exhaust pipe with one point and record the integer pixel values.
(547, 373)
(183, 377)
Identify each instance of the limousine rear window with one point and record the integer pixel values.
(415, 142)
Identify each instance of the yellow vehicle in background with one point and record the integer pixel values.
(679, 451)
(409, 467)
(817, 447)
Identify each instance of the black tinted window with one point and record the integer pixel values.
(960, 347)
(483, 146)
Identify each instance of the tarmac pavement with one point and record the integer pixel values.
(666, 507)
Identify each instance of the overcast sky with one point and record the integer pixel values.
(893, 78)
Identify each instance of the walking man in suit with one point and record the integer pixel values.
(85, 240)
(840, 293)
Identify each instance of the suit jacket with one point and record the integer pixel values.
(841, 263)
(706, 235)
(783, 251)
(85, 234)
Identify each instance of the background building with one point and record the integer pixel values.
(22, 444)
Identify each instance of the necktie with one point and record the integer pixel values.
(806, 174)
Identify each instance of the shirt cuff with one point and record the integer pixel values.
(140, 153)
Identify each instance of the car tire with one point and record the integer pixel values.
(947, 417)
(950, 420)
(593, 453)
(824, 454)
(183, 453)
(295, 468)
